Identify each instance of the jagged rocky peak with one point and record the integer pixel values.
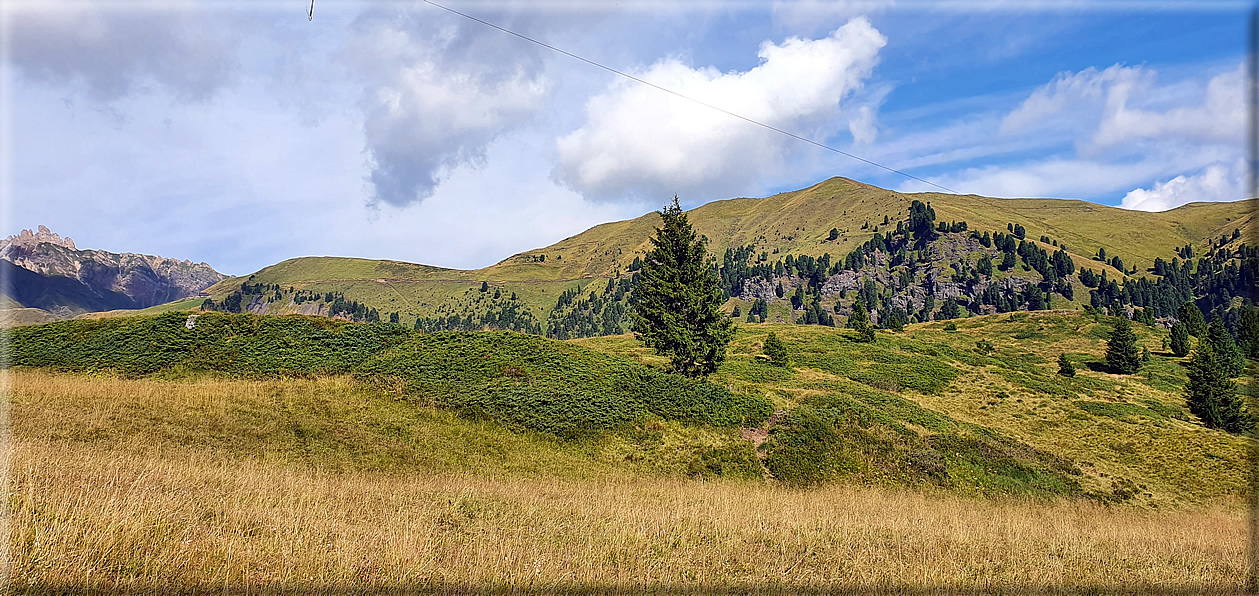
(31, 239)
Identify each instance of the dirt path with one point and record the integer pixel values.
(759, 435)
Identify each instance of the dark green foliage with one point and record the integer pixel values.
(950, 326)
(246, 345)
(984, 346)
(776, 350)
(1248, 332)
(677, 304)
(592, 315)
(1065, 368)
(738, 460)
(1122, 355)
(1191, 316)
(485, 286)
(833, 235)
(860, 321)
(1231, 359)
(1211, 395)
(805, 450)
(922, 223)
(1180, 339)
(523, 380)
(949, 310)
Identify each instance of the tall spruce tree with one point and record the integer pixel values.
(1180, 339)
(1211, 395)
(1248, 332)
(1195, 324)
(860, 321)
(1231, 358)
(676, 307)
(1122, 355)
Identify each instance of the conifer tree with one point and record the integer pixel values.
(1231, 359)
(1065, 368)
(1121, 350)
(1195, 324)
(1211, 395)
(676, 308)
(1180, 339)
(776, 350)
(1248, 332)
(860, 321)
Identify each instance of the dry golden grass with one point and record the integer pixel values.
(112, 513)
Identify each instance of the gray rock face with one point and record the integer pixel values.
(145, 280)
(909, 289)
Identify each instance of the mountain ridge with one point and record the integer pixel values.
(50, 273)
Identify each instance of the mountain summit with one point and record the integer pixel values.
(48, 272)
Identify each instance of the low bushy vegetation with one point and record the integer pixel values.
(523, 380)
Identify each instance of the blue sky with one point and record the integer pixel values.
(241, 134)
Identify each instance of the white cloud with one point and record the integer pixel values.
(436, 93)
(640, 142)
(1071, 100)
(1217, 182)
(862, 126)
(1057, 177)
(1219, 118)
(1120, 106)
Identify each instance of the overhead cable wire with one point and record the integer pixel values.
(691, 99)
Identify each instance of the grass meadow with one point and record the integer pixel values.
(145, 485)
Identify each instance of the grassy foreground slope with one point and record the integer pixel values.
(925, 407)
(303, 454)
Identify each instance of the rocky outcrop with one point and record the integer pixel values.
(113, 280)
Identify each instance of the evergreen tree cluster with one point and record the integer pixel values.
(593, 315)
(482, 311)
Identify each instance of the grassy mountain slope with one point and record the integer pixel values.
(792, 223)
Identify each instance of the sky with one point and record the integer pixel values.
(245, 133)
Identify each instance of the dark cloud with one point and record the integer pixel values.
(113, 50)
(437, 89)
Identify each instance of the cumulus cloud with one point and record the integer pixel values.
(639, 142)
(1217, 182)
(436, 92)
(112, 50)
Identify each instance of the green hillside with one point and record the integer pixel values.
(925, 407)
(554, 290)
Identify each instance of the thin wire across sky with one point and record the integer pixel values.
(676, 94)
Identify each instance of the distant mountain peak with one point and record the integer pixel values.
(29, 239)
(51, 273)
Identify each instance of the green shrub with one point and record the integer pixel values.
(738, 460)
(806, 450)
(776, 350)
(523, 380)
